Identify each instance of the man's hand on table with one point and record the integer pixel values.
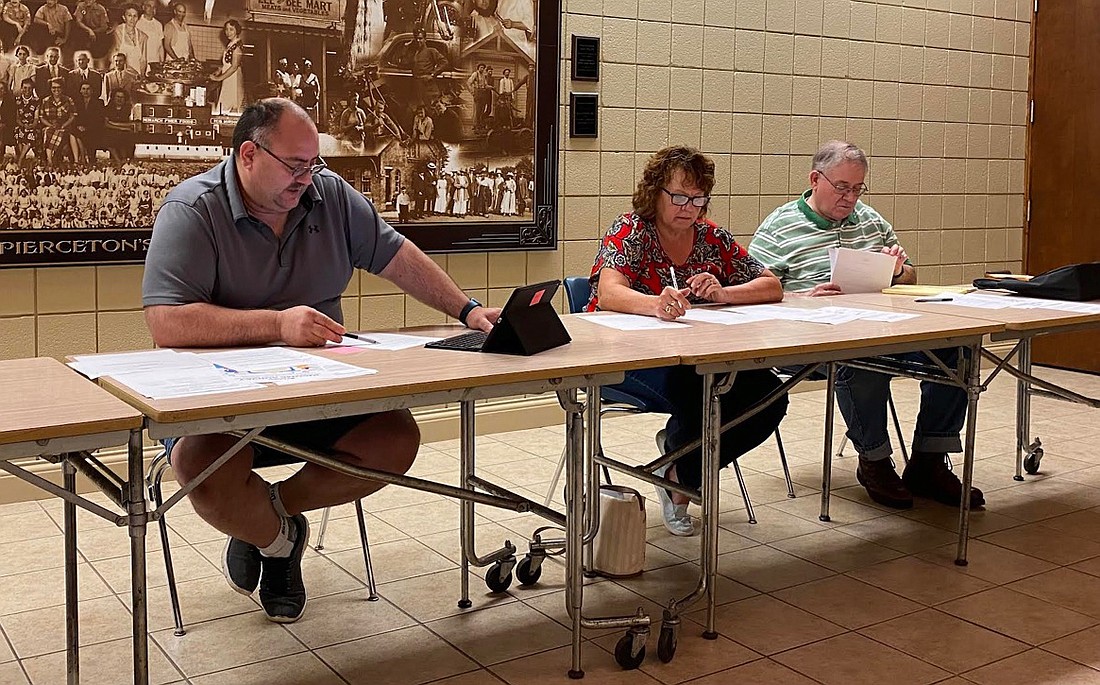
(304, 326)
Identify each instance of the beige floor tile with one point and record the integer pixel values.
(772, 524)
(346, 616)
(393, 561)
(393, 497)
(106, 543)
(28, 525)
(227, 643)
(853, 659)
(836, 550)
(982, 521)
(841, 511)
(298, 669)
(1018, 616)
(944, 640)
(423, 519)
(1064, 587)
(768, 626)
(988, 562)
(402, 657)
(12, 674)
(6, 653)
(600, 600)
(695, 656)
(551, 667)
(765, 488)
(1083, 524)
(343, 533)
(920, 581)
(1034, 667)
(501, 633)
(540, 441)
(202, 599)
(1089, 566)
(759, 672)
(105, 663)
(33, 554)
(429, 462)
(193, 529)
(529, 471)
(1082, 647)
(33, 633)
(1043, 499)
(46, 588)
(901, 534)
(689, 547)
(673, 581)
(847, 602)
(766, 569)
(187, 563)
(433, 596)
(471, 678)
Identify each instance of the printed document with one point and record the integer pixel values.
(383, 341)
(861, 271)
(631, 322)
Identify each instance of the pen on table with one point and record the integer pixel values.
(353, 336)
(933, 299)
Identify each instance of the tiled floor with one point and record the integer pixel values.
(871, 597)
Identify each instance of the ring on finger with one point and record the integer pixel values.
(668, 309)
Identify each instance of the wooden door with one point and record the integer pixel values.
(1064, 159)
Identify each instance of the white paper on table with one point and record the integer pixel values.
(726, 317)
(1059, 305)
(95, 365)
(974, 300)
(770, 312)
(167, 383)
(282, 366)
(384, 341)
(861, 271)
(843, 313)
(631, 322)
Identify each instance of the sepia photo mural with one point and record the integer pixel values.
(442, 112)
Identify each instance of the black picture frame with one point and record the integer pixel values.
(179, 117)
(584, 115)
(585, 65)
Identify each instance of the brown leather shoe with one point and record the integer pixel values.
(883, 484)
(928, 475)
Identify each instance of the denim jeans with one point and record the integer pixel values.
(678, 391)
(862, 396)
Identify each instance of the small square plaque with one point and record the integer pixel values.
(584, 115)
(586, 58)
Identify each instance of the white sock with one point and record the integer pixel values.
(283, 544)
(277, 499)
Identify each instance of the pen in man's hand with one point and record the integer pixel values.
(933, 299)
(369, 341)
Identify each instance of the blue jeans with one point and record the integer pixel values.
(678, 392)
(862, 396)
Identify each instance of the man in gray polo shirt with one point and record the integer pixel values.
(258, 250)
(793, 242)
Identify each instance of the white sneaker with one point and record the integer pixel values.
(675, 516)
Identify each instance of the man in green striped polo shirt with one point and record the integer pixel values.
(793, 242)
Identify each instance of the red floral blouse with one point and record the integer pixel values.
(632, 248)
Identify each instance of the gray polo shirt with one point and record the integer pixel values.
(206, 247)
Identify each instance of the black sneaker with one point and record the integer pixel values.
(883, 484)
(282, 592)
(241, 566)
(928, 475)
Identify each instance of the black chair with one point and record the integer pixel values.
(578, 291)
(157, 469)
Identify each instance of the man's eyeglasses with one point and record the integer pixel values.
(679, 199)
(297, 171)
(844, 188)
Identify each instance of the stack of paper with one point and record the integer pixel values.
(861, 271)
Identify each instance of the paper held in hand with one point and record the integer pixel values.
(861, 271)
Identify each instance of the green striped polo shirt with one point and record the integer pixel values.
(794, 241)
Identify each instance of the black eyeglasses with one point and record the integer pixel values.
(844, 188)
(679, 199)
(297, 171)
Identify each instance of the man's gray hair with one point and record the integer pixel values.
(259, 119)
(837, 152)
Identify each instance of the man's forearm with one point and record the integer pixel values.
(416, 274)
(206, 325)
(908, 276)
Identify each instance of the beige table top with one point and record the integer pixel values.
(417, 371)
(1016, 320)
(42, 399)
(772, 340)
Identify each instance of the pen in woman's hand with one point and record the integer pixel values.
(672, 272)
(353, 336)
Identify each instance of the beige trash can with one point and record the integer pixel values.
(619, 548)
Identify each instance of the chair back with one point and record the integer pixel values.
(577, 292)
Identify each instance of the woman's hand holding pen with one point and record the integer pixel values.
(672, 303)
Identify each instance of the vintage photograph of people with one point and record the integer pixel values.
(427, 107)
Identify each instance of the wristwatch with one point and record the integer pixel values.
(470, 306)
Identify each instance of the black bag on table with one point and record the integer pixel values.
(1077, 282)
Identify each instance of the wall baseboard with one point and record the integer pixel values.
(436, 423)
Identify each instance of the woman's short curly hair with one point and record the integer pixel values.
(698, 170)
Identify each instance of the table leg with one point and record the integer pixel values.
(712, 436)
(72, 609)
(138, 518)
(827, 460)
(466, 517)
(1023, 407)
(574, 524)
(973, 391)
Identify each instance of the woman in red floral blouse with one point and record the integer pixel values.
(659, 260)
